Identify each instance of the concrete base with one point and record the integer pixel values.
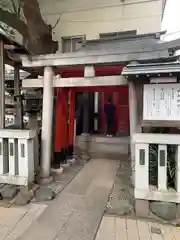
(85, 139)
(65, 166)
(57, 171)
(142, 208)
(71, 161)
(45, 181)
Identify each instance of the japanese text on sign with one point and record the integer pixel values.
(161, 102)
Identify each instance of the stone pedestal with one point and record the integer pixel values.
(32, 124)
(85, 142)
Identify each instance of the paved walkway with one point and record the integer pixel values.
(14, 221)
(77, 212)
(116, 228)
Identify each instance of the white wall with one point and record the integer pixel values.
(171, 15)
(91, 17)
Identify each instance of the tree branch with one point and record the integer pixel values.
(32, 13)
(53, 27)
(13, 21)
(37, 35)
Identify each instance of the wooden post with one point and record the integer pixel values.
(71, 122)
(17, 93)
(65, 136)
(2, 86)
(61, 135)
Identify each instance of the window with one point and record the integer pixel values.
(72, 44)
(118, 34)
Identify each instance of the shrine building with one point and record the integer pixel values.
(140, 73)
(101, 68)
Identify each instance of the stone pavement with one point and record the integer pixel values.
(14, 221)
(76, 213)
(116, 228)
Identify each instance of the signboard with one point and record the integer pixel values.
(161, 102)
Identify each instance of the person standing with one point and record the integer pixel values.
(78, 114)
(109, 110)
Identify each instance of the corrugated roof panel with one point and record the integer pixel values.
(159, 68)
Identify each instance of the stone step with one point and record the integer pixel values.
(105, 155)
(103, 146)
(110, 140)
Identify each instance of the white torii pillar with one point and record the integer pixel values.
(46, 133)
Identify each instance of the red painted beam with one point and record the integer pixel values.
(99, 89)
(99, 71)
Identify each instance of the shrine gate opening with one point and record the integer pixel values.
(97, 81)
(65, 115)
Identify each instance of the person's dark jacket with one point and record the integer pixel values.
(78, 113)
(109, 110)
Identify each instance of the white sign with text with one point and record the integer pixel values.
(161, 102)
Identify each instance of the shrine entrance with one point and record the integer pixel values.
(60, 86)
(97, 98)
(86, 106)
(94, 91)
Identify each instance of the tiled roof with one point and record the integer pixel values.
(151, 68)
(137, 42)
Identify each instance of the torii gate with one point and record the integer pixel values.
(64, 87)
(89, 60)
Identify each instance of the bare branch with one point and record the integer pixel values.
(56, 22)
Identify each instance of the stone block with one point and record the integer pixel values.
(24, 197)
(9, 192)
(44, 194)
(165, 210)
(142, 208)
(155, 230)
